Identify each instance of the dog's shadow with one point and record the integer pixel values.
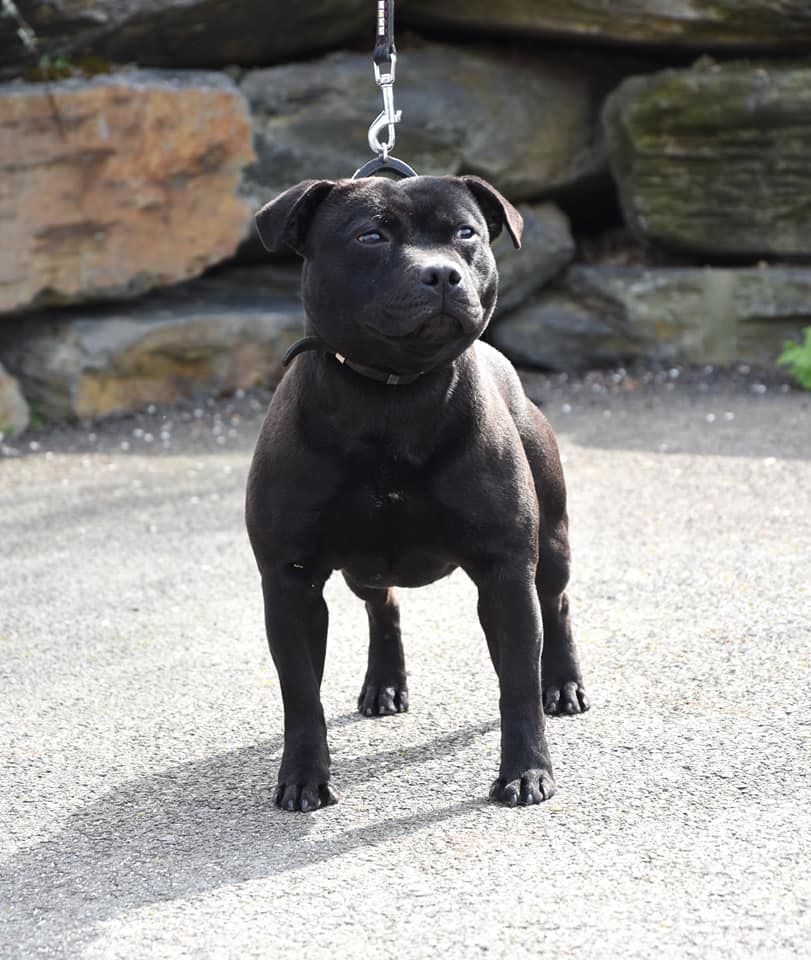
(186, 831)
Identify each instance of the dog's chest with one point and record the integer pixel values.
(385, 525)
(384, 501)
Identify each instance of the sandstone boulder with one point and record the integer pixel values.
(698, 24)
(602, 315)
(715, 161)
(529, 125)
(109, 187)
(187, 33)
(211, 336)
(14, 413)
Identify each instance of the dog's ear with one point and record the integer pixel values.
(283, 222)
(497, 210)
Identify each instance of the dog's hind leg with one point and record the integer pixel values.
(563, 690)
(385, 690)
(562, 680)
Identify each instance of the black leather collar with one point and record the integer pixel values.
(372, 373)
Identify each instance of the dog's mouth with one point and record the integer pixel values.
(441, 327)
(434, 327)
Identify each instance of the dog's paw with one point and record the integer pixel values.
(304, 797)
(381, 701)
(564, 699)
(533, 786)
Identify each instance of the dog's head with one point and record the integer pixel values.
(397, 274)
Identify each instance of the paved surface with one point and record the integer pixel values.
(140, 714)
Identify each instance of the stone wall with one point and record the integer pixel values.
(660, 154)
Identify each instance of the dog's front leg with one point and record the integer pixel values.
(296, 624)
(510, 615)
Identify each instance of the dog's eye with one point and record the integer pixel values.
(465, 233)
(371, 236)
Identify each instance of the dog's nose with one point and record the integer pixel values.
(440, 274)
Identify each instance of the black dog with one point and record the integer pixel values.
(397, 448)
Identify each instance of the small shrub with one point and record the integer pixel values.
(36, 418)
(60, 68)
(797, 357)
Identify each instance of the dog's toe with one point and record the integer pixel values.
(530, 788)
(381, 701)
(304, 796)
(565, 699)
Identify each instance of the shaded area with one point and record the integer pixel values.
(185, 831)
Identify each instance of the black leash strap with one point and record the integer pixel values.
(384, 41)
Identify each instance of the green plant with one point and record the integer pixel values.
(50, 69)
(797, 357)
(37, 419)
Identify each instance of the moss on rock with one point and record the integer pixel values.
(716, 160)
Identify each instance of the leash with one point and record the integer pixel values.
(384, 63)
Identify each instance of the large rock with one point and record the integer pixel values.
(109, 187)
(597, 316)
(700, 24)
(716, 160)
(546, 248)
(214, 336)
(529, 125)
(14, 413)
(186, 33)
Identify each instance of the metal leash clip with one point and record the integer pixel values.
(384, 61)
(388, 115)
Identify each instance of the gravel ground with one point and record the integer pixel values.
(140, 718)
